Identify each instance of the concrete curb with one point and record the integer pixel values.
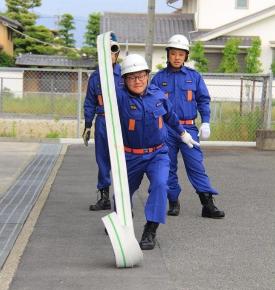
(80, 141)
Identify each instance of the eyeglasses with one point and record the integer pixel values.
(132, 79)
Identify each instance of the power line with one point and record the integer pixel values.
(40, 41)
(78, 19)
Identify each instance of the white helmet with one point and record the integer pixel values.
(133, 63)
(178, 41)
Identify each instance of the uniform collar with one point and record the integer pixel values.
(148, 91)
(182, 69)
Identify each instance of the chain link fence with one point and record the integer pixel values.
(48, 103)
(240, 104)
(42, 103)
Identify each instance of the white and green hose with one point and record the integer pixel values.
(118, 224)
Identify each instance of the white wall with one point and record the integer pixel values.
(265, 30)
(214, 13)
(159, 55)
(13, 81)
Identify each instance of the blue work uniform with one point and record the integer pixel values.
(188, 93)
(144, 136)
(93, 105)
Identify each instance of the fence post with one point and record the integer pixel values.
(263, 103)
(79, 88)
(253, 96)
(269, 102)
(52, 95)
(1, 95)
(241, 97)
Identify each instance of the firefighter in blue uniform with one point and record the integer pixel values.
(93, 105)
(188, 93)
(143, 111)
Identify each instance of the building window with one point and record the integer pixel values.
(241, 4)
(9, 35)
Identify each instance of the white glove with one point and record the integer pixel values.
(204, 131)
(188, 140)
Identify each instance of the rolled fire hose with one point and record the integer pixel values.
(119, 225)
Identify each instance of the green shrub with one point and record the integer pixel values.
(6, 60)
(229, 63)
(252, 60)
(197, 55)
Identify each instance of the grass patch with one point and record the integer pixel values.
(11, 133)
(53, 134)
(226, 122)
(57, 105)
(237, 128)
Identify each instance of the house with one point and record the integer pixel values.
(6, 26)
(53, 73)
(244, 19)
(213, 22)
(54, 61)
(130, 29)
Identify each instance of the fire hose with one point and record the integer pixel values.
(119, 224)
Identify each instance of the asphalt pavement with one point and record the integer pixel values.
(68, 248)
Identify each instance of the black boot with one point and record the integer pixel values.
(209, 209)
(174, 208)
(104, 202)
(148, 240)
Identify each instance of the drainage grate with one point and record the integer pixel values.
(18, 201)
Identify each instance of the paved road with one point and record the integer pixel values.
(69, 249)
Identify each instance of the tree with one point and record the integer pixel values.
(19, 10)
(229, 63)
(43, 34)
(197, 55)
(253, 64)
(93, 29)
(6, 60)
(66, 25)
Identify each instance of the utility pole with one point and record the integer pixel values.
(150, 33)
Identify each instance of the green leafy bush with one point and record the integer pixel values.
(6, 60)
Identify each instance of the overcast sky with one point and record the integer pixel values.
(84, 7)
(80, 9)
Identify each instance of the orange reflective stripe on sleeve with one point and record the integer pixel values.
(132, 124)
(189, 96)
(160, 122)
(100, 100)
